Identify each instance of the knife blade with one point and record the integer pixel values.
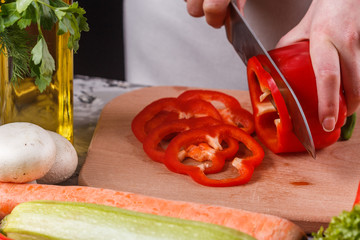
(247, 45)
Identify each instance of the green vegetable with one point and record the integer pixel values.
(30, 56)
(69, 220)
(348, 128)
(346, 226)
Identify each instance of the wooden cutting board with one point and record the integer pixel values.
(293, 186)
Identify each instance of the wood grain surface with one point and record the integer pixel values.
(293, 186)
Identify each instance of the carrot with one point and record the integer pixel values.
(260, 226)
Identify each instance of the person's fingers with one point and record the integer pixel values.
(326, 64)
(241, 5)
(215, 12)
(334, 33)
(195, 7)
(296, 34)
(350, 72)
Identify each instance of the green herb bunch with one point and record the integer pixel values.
(346, 226)
(30, 55)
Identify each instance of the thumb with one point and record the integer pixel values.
(294, 35)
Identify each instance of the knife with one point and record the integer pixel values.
(247, 45)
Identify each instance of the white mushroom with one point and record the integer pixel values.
(65, 163)
(27, 152)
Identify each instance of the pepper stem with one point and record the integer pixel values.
(348, 128)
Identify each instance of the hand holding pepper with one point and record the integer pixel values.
(333, 28)
(272, 122)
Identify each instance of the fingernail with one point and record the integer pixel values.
(328, 124)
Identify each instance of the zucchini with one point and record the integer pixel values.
(45, 220)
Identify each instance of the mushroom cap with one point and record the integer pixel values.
(27, 152)
(66, 161)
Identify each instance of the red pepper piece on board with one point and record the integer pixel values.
(189, 109)
(357, 197)
(244, 165)
(229, 107)
(159, 119)
(273, 124)
(2, 237)
(153, 140)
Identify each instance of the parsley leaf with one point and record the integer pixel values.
(37, 52)
(43, 64)
(9, 14)
(346, 226)
(47, 63)
(21, 5)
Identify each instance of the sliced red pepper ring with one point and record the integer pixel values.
(245, 166)
(159, 119)
(208, 154)
(156, 152)
(273, 124)
(193, 108)
(229, 107)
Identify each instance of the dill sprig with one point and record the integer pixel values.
(16, 44)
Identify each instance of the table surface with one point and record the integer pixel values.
(91, 94)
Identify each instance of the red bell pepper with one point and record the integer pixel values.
(273, 124)
(2, 237)
(357, 197)
(244, 164)
(183, 109)
(152, 141)
(229, 107)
